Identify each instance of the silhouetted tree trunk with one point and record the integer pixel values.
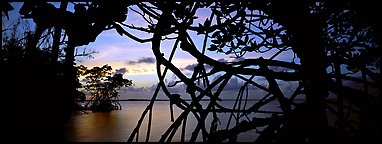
(30, 50)
(369, 14)
(69, 77)
(57, 36)
(313, 61)
(306, 30)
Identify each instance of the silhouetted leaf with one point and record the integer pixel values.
(221, 45)
(219, 21)
(215, 34)
(219, 38)
(5, 7)
(224, 31)
(240, 42)
(217, 13)
(206, 4)
(207, 24)
(200, 29)
(212, 48)
(215, 41)
(253, 47)
(229, 51)
(246, 39)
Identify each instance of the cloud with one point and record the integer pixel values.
(279, 69)
(234, 84)
(136, 70)
(147, 60)
(191, 67)
(222, 60)
(146, 70)
(121, 71)
(238, 59)
(140, 70)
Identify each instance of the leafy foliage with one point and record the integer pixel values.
(326, 37)
(103, 87)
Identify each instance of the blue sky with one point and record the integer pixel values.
(123, 52)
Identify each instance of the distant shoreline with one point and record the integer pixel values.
(169, 100)
(184, 100)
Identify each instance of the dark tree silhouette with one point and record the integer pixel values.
(336, 54)
(325, 36)
(103, 87)
(45, 81)
(30, 86)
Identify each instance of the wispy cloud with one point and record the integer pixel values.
(120, 71)
(191, 67)
(222, 60)
(147, 60)
(238, 59)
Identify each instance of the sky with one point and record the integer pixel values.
(137, 59)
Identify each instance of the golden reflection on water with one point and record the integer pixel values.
(116, 126)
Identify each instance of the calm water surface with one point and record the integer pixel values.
(116, 126)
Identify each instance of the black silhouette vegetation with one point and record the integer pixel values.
(103, 87)
(335, 66)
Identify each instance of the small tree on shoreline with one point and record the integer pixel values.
(103, 86)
